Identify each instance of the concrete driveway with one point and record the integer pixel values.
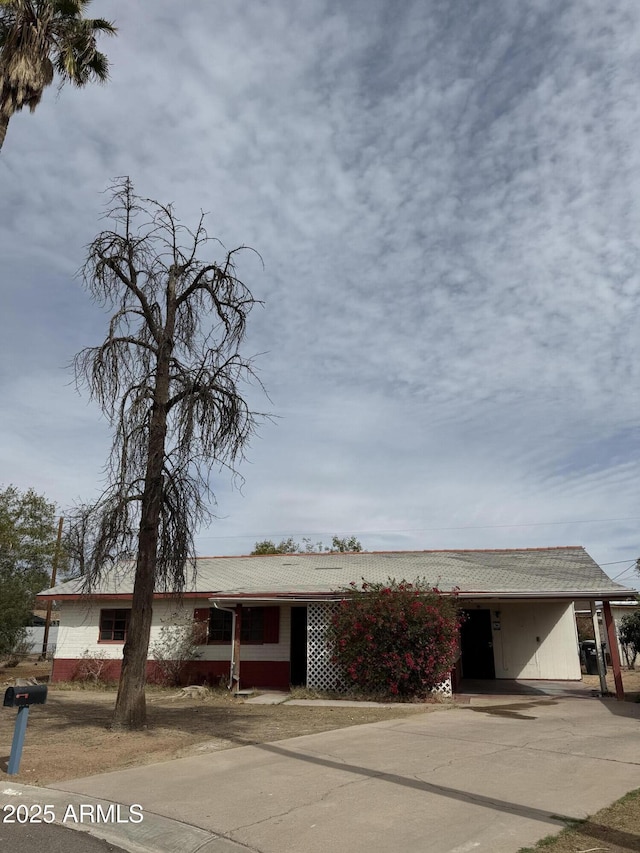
(488, 778)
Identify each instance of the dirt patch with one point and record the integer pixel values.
(614, 829)
(630, 681)
(29, 668)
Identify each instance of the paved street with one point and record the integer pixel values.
(52, 838)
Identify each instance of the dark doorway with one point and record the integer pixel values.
(476, 642)
(298, 653)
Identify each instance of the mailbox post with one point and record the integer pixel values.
(22, 698)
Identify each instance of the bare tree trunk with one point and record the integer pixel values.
(130, 711)
(4, 124)
(131, 707)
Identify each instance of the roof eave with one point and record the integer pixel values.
(333, 595)
(573, 594)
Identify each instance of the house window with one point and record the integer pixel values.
(220, 626)
(114, 625)
(259, 625)
(252, 630)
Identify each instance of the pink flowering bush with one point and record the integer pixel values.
(395, 638)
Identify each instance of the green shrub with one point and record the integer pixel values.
(629, 636)
(396, 638)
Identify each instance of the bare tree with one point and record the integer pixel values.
(168, 377)
(79, 540)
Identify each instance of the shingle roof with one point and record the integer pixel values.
(565, 571)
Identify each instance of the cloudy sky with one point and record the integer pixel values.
(446, 197)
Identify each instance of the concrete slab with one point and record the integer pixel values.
(522, 687)
(487, 779)
(271, 698)
(343, 703)
(280, 698)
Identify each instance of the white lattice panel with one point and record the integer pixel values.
(444, 689)
(322, 674)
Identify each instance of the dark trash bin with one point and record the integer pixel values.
(589, 656)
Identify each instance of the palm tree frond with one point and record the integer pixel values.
(102, 26)
(40, 37)
(69, 8)
(81, 67)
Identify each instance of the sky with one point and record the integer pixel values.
(446, 199)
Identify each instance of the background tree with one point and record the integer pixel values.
(27, 545)
(168, 377)
(79, 540)
(346, 545)
(39, 38)
(629, 636)
(267, 546)
(290, 546)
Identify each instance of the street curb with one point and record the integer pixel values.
(153, 834)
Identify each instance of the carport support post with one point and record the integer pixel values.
(237, 624)
(612, 639)
(596, 634)
(54, 569)
(19, 732)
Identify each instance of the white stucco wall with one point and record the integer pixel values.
(79, 624)
(535, 640)
(35, 638)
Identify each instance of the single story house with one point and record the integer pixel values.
(262, 619)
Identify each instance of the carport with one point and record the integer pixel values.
(527, 643)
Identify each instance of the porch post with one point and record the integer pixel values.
(613, 650)
(596, 634)
(237, 624)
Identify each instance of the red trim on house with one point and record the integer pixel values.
(456, 675)
(96, 597)
(462, 595)
(284, 597)
(612, 639)
(263, 674)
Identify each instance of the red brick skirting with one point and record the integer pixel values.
(272, 674)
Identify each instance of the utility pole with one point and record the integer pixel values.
(54, 569)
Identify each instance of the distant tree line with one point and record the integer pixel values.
(339, 545)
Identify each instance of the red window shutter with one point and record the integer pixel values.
(201, 618)
(271, 624)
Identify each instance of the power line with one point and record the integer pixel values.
(624, 572)
(432, 529)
